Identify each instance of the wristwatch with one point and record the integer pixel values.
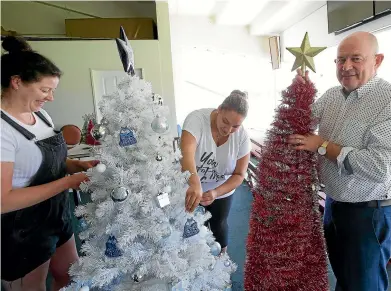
(323, 148)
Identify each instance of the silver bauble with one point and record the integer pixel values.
(215, 249)
(104, 121)
(99, 132)
(119, 194)
(160, 124)
(159, 158)
(227, 263)
(137, 278)
(167, 231)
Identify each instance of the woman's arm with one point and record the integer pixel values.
(232, 183)
(188, 148)
(15, 199)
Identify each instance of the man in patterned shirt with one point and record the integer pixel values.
(354, 145)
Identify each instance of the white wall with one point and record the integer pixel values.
(74, 96)
(210, 61)
(40, 19)
(166, 67)
(316, 26)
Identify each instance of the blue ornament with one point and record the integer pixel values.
(110, 286)
(126, 137)
(200, 209)
(191, 228)
(112, 251)
(83, 225)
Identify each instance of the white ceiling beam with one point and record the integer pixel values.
(260, 26)
(239, 12)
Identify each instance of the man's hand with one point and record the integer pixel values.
(309, 142)
(208, 197)
(300, 79)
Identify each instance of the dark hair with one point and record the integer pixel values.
(236, 101)
(22, 61)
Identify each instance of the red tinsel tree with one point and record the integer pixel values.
(285, 245)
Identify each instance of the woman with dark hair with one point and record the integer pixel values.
(216, 151)
(36, 230)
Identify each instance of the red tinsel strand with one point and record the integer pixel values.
(285, 245)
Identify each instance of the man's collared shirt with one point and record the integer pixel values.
(361, 123)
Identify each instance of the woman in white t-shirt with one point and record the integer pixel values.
(36, 229)
(216, 151)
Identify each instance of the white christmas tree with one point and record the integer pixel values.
(138, 234)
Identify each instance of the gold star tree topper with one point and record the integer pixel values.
(305, 54)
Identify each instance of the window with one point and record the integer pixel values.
(384, 39)
(207, 76)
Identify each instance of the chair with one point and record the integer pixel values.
(72, 134)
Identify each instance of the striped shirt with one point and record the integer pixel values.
(361, 123)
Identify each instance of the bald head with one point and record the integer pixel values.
(357, 60)
(366, 39)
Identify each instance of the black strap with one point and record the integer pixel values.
(27, 134)
(19, 128)
(40, 115)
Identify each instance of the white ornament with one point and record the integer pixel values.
(163, 199)
(84, 288)
(100, 168)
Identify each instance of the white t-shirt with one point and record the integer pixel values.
(215, 164)
(24, 153)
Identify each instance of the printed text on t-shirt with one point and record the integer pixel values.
(207, 168)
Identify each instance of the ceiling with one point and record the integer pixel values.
(262, 17)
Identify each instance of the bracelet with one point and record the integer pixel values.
(188, 174)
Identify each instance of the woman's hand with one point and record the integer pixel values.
(208, 197)
(75, 180)
(193, 196)
(76, 166)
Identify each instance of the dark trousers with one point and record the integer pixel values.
(218, 223)
(358, 240)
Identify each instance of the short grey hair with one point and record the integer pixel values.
(236, 101)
